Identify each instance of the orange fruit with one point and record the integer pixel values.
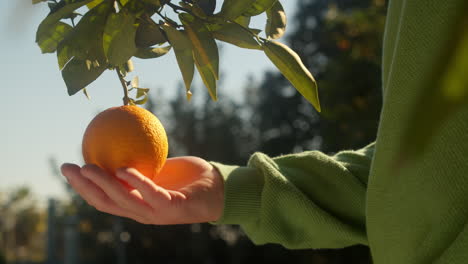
(126, 136)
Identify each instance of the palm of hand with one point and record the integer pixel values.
(187, 190)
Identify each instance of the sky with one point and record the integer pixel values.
(39, 121)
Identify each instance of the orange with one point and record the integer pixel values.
(126, 136)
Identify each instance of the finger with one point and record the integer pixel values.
(115, 190)
(92, 194)
(149, 190)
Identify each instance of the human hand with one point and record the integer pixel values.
(187, 190)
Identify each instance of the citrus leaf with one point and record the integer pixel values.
(208, 6)
(94, 3)
(50, 30)
(148, 34)
(153, 2)
(259, 7)
(151, 53)
(135, 81)
(142, 92)
(142, 101)
(236, 35)
(56, 34)
(85, 42)
(207, 77)
(444, 93)
(77, 75)
(204, 45)
(243, 21)
(64, 55)
(232, 9)
(276, 21)
(291, 66)
(183, 52)
(119, 37)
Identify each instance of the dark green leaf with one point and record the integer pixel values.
(243, 21)
(208, 6)
(119, 37)
(77, 75)
(232, 9)
(183, 52)
(236, 35)
(47, 29)
(148, 34)
(259, 6)
(85, 42)
(291, 66)
(153, 2)
(204, 45)
(151, 53)
(276, 21)
(55, 34)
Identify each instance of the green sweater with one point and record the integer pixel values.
(415, 215)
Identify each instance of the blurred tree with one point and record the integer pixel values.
(340, 42)
(21, 226)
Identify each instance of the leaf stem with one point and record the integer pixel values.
(126, 99)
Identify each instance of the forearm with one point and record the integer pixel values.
(306, 200)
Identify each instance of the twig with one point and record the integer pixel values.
(126, 99)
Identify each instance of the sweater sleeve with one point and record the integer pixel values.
(305, 200)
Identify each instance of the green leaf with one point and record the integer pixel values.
(243, 21)
(142, 101)
(236, 35)
(208, 6)
(183, 52)
(94, 3)
(142, 92)
(77, 75)
(85, 42)
(291, 66)
(56, 33)
(444, 93)
(232, 9)
(51, 31)
(151, 53)
(276, 21)
(204, 45)
(149, 34)
(207, 77)
(119, 37)
(153, 2)
(259, 7)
